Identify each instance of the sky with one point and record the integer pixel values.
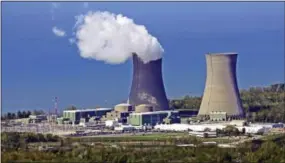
(39, 62)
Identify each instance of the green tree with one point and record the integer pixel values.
(24, 114)
(28, 114)
(9, 115)
(38, 112)
(23, 143)
(13, 116)
(19, 114)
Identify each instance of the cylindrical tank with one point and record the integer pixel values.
(147, 84)
(123, 108)
(143, 108)
(221, 90)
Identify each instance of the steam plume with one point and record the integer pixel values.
(114, 38)
(54, 6)
(58, 32)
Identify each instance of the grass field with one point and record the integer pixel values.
(146, 137)
(274, 136)
(157, 137)
(134, 140)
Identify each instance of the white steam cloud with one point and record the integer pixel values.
(58, 32)
(54, 6)
(114, 38)
(71, 40)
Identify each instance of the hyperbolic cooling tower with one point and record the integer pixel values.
(221, 91)
(147, 85)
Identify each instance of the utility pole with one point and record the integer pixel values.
(55, 105)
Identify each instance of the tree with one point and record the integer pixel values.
(207, 129)
(23, 143)
(230, 130)
(24, 114)
(206, 135)
(13, 116)
(236, 132)
(19, 114)
(28, 114)
(9, 115)
(243, 131)
(38, 112)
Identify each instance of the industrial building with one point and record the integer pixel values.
(218, 116)
(37, 118)
(221, 95)
(120, 113)
(211, 128)
(187, 116)
(74, 116)
(147, 84)
(153, 118)
(187, 113)
(140, 115)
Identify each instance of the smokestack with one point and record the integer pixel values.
(147, 84)
(221, 90)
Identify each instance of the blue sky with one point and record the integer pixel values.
(37, 65)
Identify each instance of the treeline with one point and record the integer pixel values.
(14, 140)
(264, 104)
(21, 114)
(269, 151)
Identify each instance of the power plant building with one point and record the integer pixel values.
(143, 108)
(153, 118)
(147, 84)
(221, 94)
(75, 115)
(120, 113)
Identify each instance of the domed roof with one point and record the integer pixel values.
(143, 108)
(123, 104)
(123, 107)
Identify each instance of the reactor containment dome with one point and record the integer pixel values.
(221, 93)
(147, 84)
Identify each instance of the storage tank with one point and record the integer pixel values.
(143, 108)
(147, 84)
(123, 108)
(221, 91)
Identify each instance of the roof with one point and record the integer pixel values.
(144, 105)
(155, 112)
(225, 53)
(86, 110)
(186, 110)
(124, 104)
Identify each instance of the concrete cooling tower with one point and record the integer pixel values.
(147, 84)
(221, 92)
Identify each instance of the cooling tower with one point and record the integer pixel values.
(221, 90)
(147, 84)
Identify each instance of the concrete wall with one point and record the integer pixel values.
(135, 120)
